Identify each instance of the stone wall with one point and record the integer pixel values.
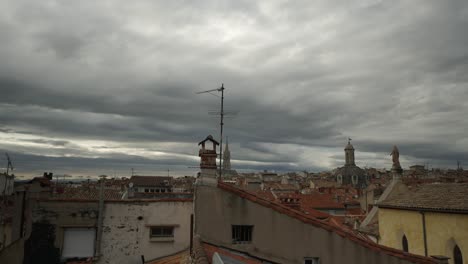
(126, 230)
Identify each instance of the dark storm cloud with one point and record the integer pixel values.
(91, 79)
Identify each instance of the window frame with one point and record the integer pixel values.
(162, 236)
(162, 233)
(242, 234)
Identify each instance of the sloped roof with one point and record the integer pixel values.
(446, 197)
(85, 193)
(150, 180)
(325, 225)
(172, 259)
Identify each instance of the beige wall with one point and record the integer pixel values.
(443, 231)
(125, 238)
(276, 237)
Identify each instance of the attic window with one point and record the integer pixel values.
(242, 234)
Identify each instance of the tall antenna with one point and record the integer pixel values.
(221, 89)
(9, 164)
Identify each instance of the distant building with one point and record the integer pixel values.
(65, 226)
(350, 174)
(430, 220)
(151, 184)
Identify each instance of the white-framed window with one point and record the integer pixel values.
(312, 260)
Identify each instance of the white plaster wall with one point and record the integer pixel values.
(125, 238)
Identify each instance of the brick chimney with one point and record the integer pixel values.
(208, 168)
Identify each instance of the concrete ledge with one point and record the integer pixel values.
(162, 239)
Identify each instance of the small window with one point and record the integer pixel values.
(242, 234)
(146, 190)
(162, 231)
(457, 255)
(404, 243)
(311, 260)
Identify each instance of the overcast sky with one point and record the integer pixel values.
(100, 87)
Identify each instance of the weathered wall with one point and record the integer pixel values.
(13, 253)
(46, 226)
(277, 237)
(5, 235)
(6, 184)
(443, 230)
(126, 231)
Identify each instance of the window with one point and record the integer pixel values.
(78, 242)
(404, 243)
(241, 234)
(311, 260)
(146, 190)
(457, 255)
(162, 231)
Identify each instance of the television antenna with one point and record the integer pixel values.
(220, 89)
(9, 164)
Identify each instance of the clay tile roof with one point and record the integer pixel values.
(150, 180)
(172, 259)
(447, 197)
(320, 201)
(85, 193)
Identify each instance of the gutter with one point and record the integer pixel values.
(423, 215)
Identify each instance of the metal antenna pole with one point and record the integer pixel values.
(221, 89)
(221, 132)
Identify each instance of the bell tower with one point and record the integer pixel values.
(349, 154)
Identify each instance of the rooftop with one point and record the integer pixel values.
(150, 180)
(445, 197)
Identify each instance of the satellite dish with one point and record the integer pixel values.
(130, 185)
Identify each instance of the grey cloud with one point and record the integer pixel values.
(301, 73)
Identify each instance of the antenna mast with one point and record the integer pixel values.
(221, 89)
(9, 164)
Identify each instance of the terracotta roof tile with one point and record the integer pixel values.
(85, 193)
(172, 259)
(150, 180)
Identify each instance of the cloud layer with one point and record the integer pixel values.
(97, 87)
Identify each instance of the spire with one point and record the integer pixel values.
(227, 157)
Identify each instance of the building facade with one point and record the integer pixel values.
(431, 220)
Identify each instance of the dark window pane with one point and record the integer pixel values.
(404, 243)
(457, 255)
